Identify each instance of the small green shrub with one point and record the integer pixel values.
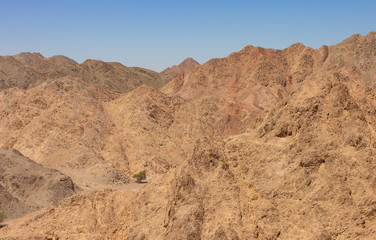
(140, 176)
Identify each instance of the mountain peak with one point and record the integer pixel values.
(60, 59)
(185, 66)
(190, 61)
(358, 38)
(28, 57)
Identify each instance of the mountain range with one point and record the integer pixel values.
(262, 144)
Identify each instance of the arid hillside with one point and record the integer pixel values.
(27, 70)
(262, 144)
(187, 65)
(26, 186)
(61, 124)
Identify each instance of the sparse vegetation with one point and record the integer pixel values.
(140, 176)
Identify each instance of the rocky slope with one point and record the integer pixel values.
(27, 70)
(61, 124)
(263, 144)
(11, 207)
(249, 82)
(184, 67)
(26, 186)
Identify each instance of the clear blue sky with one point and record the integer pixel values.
(158, 33)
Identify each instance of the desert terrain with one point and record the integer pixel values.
(261, 144)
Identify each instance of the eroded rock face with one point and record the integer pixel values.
(266, 144)
(28, 186)
(11, 207)
(201, 201)
(61, 124)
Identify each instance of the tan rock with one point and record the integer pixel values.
(263, 144)
(26, 186)
(27, 70)
(184, 67)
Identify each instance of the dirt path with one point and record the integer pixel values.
(128, 186)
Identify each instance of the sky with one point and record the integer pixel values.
(156, 34)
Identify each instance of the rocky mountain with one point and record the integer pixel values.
(184, 67)
(27, 70)
(26, 186)
(61, 124)
(262, 144)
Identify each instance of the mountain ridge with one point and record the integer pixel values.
(27, 70)
(262, 144)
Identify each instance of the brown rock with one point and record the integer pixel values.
(27, 70)
(263, 144)
(61, 124)
(187, 65)
(26, 186)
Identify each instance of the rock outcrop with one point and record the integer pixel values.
(26, 186)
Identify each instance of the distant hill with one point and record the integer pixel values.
(27, 70)
(184, 67)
